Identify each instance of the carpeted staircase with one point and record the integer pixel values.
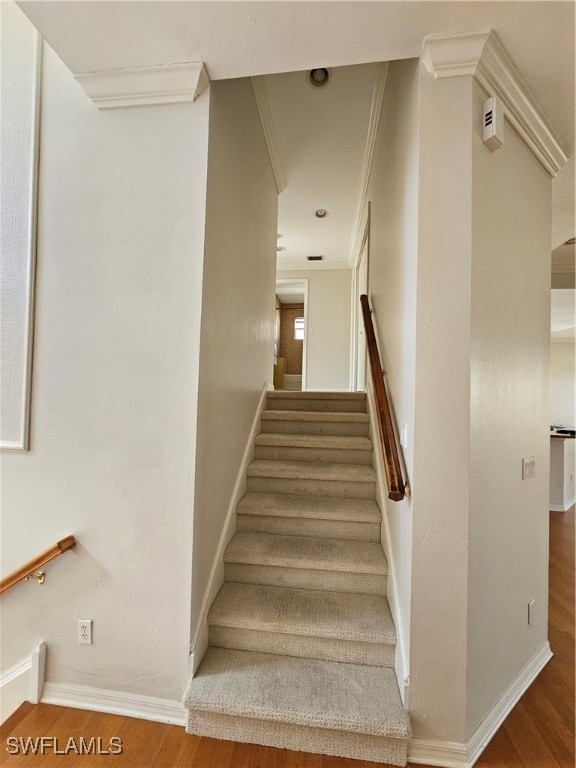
(301, 650)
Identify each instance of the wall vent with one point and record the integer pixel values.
(315, 258)
(492, 124)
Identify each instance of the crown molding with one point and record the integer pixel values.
(373, 122)
(146, 86)
(481, 55)
(269, 128)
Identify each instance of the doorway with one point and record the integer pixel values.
(291, 332)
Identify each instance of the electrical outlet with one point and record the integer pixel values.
(531, 612)
(85, 631)
(529, 468)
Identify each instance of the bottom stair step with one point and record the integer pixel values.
(309, 705)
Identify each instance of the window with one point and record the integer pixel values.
(299, 328)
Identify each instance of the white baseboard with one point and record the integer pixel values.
(563, 507)
(216, 579)
(114, 702)
(401, 664)
(22, 682)
(448, 754)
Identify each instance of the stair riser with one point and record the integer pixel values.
(341, 488)
(304, 647)
(301, 738)
(292, 526)
(330, 455)
(344, 428)
(303, 578)
(319, 406)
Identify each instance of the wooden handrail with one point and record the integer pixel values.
(392, 465)
(33, 565)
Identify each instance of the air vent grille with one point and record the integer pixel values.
(315, 258)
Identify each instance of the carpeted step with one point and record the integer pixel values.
(306, 562)
(318, 478)
(336, 449)
(315, 624)
(315, 423)
(309, 705)
(317, 401)
(323, 516)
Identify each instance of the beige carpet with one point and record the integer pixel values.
(301, 639)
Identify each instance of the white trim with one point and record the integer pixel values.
(23, 444)
(145, 86)
(115, 702)
(269, 128)
(450, 754)
(563, 507)
(481, 55)
(309, 266)
(299, 281)
(401, 662)
(22, 682)
(37, 672)
(216, 578)
(373, 123)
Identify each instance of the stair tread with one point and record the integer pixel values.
(308, 395)
(301, 470)
(342, 442)
(347, 416)
(306, 552)
(307, 692)
(314, 613)
(319, 507)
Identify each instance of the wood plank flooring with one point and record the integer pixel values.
(538, 733)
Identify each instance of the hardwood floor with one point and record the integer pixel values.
(538, 733)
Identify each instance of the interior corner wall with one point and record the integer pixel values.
(327, 327)
(119, 278)
(393, 194)
(510, 372)
(238, 306)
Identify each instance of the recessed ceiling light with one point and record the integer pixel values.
(319, 77)
(321, 213)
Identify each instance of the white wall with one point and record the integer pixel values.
(442, 407)
(563, 383)
(509, 357)
(328, 327)
(393, 193)
(238, 304)
(121, 240)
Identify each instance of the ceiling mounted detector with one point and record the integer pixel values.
(319, 77)
(321, 213)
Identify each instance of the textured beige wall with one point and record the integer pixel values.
(393, 193)
(510, 372)
(120, 252)
(238, 301)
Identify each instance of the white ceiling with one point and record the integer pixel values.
(236, 39)
(321, 131)
(563, 314)
(322, 137)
